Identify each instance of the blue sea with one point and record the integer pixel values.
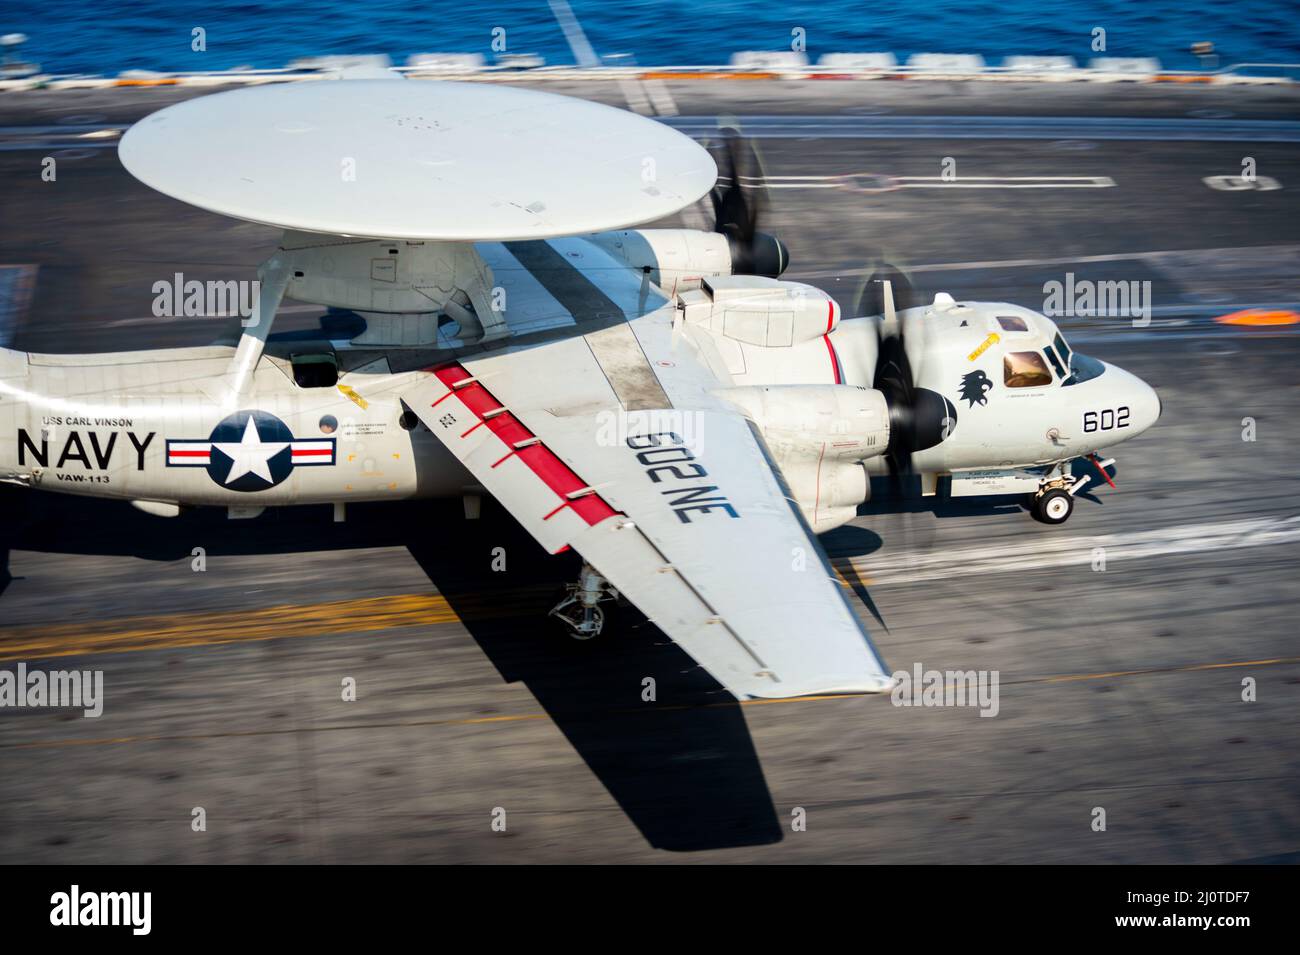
(107, 37)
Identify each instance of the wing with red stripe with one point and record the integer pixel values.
(680, 508)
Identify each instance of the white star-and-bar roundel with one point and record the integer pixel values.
(250, 451)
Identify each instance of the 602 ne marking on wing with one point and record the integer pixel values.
(664, 453)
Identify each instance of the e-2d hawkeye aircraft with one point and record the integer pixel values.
(656, 400)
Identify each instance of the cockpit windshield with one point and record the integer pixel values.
(1062, 349)
(1083, 368)
(1080, 368)
(1056, 362)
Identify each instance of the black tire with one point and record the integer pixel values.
(1054, 507)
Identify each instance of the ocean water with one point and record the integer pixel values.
(107, 37)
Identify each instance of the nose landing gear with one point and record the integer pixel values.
(579, 609)
(1053, 506)
(1053, 503)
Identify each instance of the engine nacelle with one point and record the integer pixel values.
(675, 259)
(819, 435)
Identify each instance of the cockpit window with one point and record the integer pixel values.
(1083, 368)
(1056, 362)
(1013, 323)
(1062, 349)
(1025, 369)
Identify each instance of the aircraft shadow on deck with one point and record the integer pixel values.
(683, 768)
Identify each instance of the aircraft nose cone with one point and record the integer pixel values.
(1140, 398)
(1149, 401)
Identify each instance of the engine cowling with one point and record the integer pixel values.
(676, 260)
(761, 311)
(819, 435)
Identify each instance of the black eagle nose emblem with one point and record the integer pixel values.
(974, 386)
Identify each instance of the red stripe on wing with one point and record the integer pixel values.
(541, 460)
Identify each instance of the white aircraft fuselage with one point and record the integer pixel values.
(165, 428)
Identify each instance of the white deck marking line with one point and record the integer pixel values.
(582, 49)
(662, 98)
(641, 97)
(637, 101)
(1109, 128)
(1020, 555)
(1062, 260)
(1005, 182)
(938, 182)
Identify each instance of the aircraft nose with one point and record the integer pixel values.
(1142, 400)
(1149, 402)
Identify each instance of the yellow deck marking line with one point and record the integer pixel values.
(235, 734)
(843, 567)
(534, 717)
(173, 631)
(985, 345)
(1188, 668)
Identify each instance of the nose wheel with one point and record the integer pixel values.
(1053, 506)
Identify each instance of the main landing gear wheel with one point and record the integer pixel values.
(579, 611)
(578, 622)
(1053, 507)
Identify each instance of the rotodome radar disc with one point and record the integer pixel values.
(417, 159)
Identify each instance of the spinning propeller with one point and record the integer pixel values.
(739, 202)
(918, 417)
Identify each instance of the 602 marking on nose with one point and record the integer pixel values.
(1108, 419)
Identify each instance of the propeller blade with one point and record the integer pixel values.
(871, 298)
(740, 203)
(735, 197)
(916, 415)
